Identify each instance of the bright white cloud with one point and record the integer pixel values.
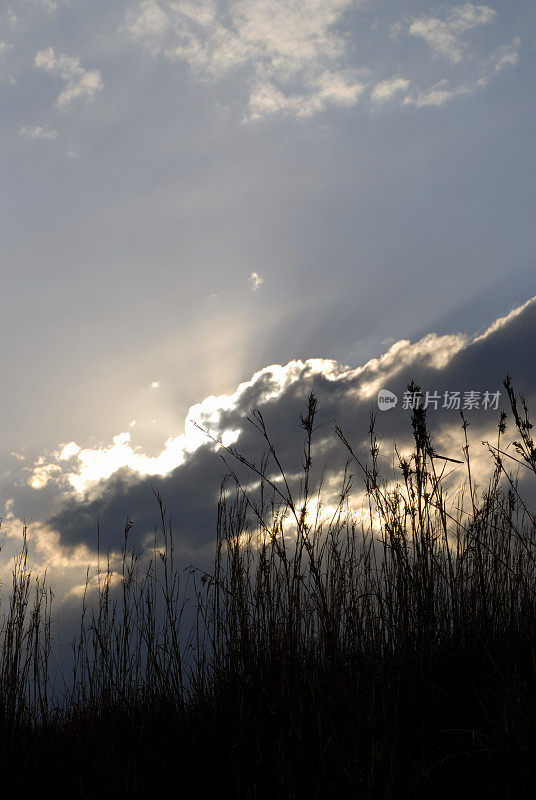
(92, 465)
(80, 83)
(503, 321)
(386, 90)
(292, 48)
(68, 451)
(434, 350)
(445, 36)
(39, 132)
(95, 464)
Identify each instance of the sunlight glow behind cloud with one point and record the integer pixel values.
(88, 466)
(77, 478)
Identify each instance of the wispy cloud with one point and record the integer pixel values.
(446, 36)
(292, 49)
(442, 92)
(80, 83)
(384, 91)
(506, 56)
(39, 132)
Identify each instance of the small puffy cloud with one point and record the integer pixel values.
(39, 132)
(80, 83)
(445, 36)
(43, 473)
(386, 90)
(69, 451)
(255, 281)
(336, 89)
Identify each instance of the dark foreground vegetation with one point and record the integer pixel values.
(384, 655)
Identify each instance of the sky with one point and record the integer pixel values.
(194, 192)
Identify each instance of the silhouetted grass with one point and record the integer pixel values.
(387, 654)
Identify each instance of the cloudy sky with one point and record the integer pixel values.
(192, 192)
